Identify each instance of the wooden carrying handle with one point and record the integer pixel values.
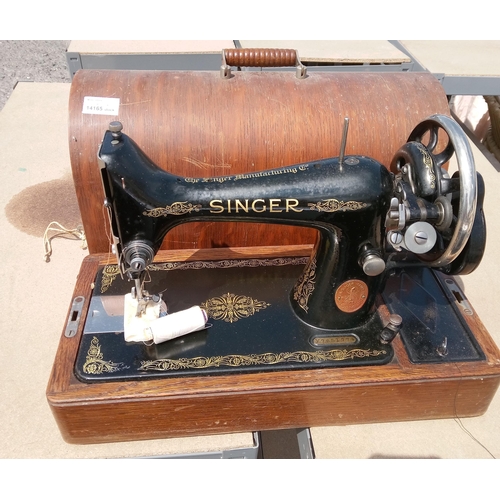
(267, 58)
(260, 57)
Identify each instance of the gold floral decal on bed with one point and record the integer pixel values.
(228, 263)
(258, 359)
(231, 308)
(110, 272)
(94, 364)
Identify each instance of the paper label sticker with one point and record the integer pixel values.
(101, 105)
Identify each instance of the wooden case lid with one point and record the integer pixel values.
(197, 124)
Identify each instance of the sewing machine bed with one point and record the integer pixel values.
(252, 327)
(258, 367)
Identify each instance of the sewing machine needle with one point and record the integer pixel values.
(344, 142)
(138, 288)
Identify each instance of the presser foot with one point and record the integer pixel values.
(139, 314)
(143, 298)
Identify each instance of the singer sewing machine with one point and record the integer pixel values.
(373, 226)
(365, 325)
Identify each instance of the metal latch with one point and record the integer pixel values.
(75, 314)
(462, 302)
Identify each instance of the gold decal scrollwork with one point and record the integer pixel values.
(94, 364)
(177, 208)
(258, 359)
(305, 285)
(334, 205)
(109, 273)
(231, 308)
(226, 264)
(428, 164)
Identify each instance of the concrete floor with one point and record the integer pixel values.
(31, 61)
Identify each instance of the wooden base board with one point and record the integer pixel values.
(179, 407)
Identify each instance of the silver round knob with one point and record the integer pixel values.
(420, 237)
(373, 265)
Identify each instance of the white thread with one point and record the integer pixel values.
(77, 233)
(177, 324)
(136, 327)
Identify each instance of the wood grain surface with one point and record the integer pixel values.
(196, 124)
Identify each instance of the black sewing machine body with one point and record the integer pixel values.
(349, 218)
(324, 311)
